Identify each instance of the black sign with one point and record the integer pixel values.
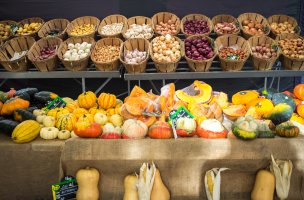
(66, 189)
(58, 102)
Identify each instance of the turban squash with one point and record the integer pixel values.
(66, 122)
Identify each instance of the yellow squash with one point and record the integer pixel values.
(26, 131)
(87, 180)
(264, 186)
(130, 188)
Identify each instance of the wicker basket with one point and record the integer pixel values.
(79, 65)
(282, 19)
(106, 66)
(82, 21)
(253, 16)
(132, 44)
(165, 67)
(137, 20)
(261, 63)
(29, 21)
(165, 17)
(8, 22)
(196, 17)
(201, 65)
(110, 20)
(18, 44)
(48, 64)
(60, 24)
(229, 40)
(288, 62)
(225, 18)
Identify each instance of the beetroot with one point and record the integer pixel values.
(198, 49)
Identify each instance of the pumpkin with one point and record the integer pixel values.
(212, 129)
(21, 115)
(203, 91)
(26, 131)
(71, 106)
(116, 120)
(134, 129)
(87, 130)
(111, 132)
(100, 118)
(161, 129)
(13, 104)
(7, 126)
(86, 118)
(244, 97)
(130, 187)
(287, 129)
(264, 186)
(299, 91)
(159, 190)
(148, 120)
(87, 180)
(78, 112)
(49, 121)
(57, 112)
(110, 111)
(185, 127)
(87, 100)
(64, 134)
(136, 106)
(233, 112)
(297, 118)
(283, 98)
(300, 110)
(30, 91)
(137, 91)
(45, 96)
(40, 118)
(49, 133)
(282, 112)
(94, 110)
(66, 122)
(262, 106)
(106, 100)
(3, 96)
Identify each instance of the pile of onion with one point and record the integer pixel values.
(198, 48)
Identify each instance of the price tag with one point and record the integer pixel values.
(66, 189)
(174, 115)
(58, 102)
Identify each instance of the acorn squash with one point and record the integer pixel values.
(283, 98)
(7, 126)
(21, 115)
(244, 97)
(197, 93)
(287, 129)
(282, 112)
(45, 96)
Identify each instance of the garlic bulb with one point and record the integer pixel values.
(135, 56)
(112, 29)
(139, 31)
(77, 51)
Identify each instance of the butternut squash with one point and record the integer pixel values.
(264, 186)
(159, 190)
(130, 188)
(87, 180)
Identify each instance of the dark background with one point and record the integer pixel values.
(70, 9)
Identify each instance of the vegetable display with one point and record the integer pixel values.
(196, 27)
(264, 51)
(77, 51)
(166, 48)
(46, 53)
(84, 29)
(293, 48)
(5, 31)
(226, 28)
(135, 56)
(253, 27)
(139, 31)
(28, 29)
(230, 53)
(106, 53)
(198, 49)
(164, 28)
(282, 27)
(112, 29)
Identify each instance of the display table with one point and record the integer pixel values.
(28, 170)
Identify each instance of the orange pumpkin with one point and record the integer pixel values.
(87, 130)
(297, 101)
(13, 104)
(71, 106)
(106, 100)
(79, 111)
(87, 100)
(161, 129)
(244, 97)
(299, 91)
(300, 110)
(134, 129)
(262, 106)
(86, 118)
(94, 110)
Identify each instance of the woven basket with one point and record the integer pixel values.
(79, 65)
(137, 20)
(60, 24)
(165, 17)
(282, 19)
(196, 17)
(48, 64)
(106, 66)
(29, 21)
(253, 16)
(132, 44)
(229, 40)
(165, 67)
(110, 20)
(261, 63)
(225, 18)
(201, 65)
(8, 22)
(18, 44)
(82, 21)
(288, 62)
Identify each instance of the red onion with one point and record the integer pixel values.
(198, 49)
(193, 27)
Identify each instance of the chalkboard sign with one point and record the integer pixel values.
(174, 115)
(66, 189)
(58, 102)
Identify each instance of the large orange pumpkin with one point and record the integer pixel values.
(300, 110)
(160, 130)
(106, 100)
(87, 100)
(79, 111)
(244, 97)
(87, 130)
(298, 91)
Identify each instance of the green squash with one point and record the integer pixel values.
(45, 96)
(268, 92)
(21, 115)
(24, 96)
(30, 91)
(264, 131)
(283, 98)
(282, 112)
(7, 126)
(287, 129)
(3, 96)
(244, 135)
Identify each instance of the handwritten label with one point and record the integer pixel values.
(66, 189)
(174, 115)
(58, 102)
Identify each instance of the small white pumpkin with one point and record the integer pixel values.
(38, 112)
(49, 133)
(49, 121)
(40, 118)
(64, 134)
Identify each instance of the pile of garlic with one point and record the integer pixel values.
(77, 51)
(112, 29)
(139, 31)
(135, 56)
(166, 49)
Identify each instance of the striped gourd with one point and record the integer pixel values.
(106, 100)
(66, 122)
(26, 131)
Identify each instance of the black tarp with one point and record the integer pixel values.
(70, 9)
